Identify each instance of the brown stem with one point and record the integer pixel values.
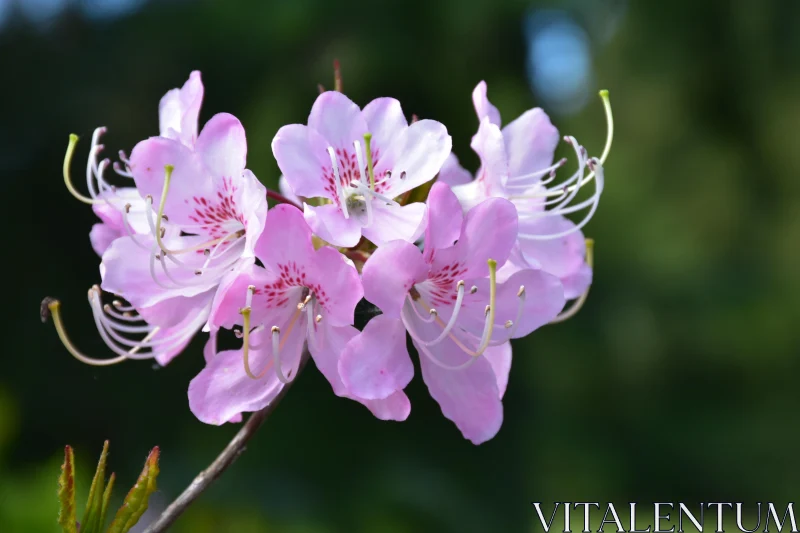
(278, 197)
(225, 459)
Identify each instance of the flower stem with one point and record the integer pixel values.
(281, 198)
(225, 459)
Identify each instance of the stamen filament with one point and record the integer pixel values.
(54, 308)
(338, 182)
(368, 147)
(578, 304)
(73, 140)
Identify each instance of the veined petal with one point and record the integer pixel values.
(483, 107)
(389, 274)
(337, 119)
(336, 285)
(329, 224)
(415, 156)
(393, 222)
(375, 363)
(290, 243)
(302, 156)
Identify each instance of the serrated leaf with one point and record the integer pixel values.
(106, 499)
(67, 516)
(91, 517)
(135, 503)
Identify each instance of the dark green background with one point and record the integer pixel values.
(677, 381)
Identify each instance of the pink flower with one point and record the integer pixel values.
(440, 297)
(357, 161)
(300, 296)
(122, 209)
(517, 164)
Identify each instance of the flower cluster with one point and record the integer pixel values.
(461, 265)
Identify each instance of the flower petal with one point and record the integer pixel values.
(561, 257)
(391, 222)
(223, 146)
(338, 120)
(483, 107)
(577, 283)
(250, 201)
(375, 363)
(286, 190)
(385, 121)
(488, 143)
(329, 224)
(489, 232)
(500, 359)
(290, 243)
(223, 390)
(530, 142)
(452, 173)
(336, 285)
(302, 156)
(101, 237)
(415, 156)
(445, 217)
(178, 111)
(468, 396)
(180, 319)
(326, 352)
(389, 274)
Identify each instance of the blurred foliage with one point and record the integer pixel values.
(676, 382)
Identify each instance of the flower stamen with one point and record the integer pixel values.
(578, 304)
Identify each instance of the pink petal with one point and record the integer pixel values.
(290, 243)
(375, 363)
(178, 111)
(339, 283)
(561, 257)
(452, 173)
(250, 200)
(223, 390)
(471, 194)
(338, 120)
(101, 237)
(489, 232)
(329, 224)
(444, 218)
(286, 190)
(127, 271)
(180, 319)
(468, 396)
(530, 143)
(396, 407)
(331, 342)
(483, 107)
(544, 299)
(231, 297)
(488, 143)
(500, 359)
(577, 283)
(189, 177)
(390, 272)
(385, 121)
(418, 151)
(302, 156)
(223, 146)
(392, 222)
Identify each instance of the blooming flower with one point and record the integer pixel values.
(517, 164)
(357, 161)
(300, 296)
(122, 210)
(193, 216)
(440, 296)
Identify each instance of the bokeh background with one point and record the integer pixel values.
(676, 382)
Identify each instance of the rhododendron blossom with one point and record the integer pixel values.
(461, 267)
(358, 161)
(459, 318)
(517, 164)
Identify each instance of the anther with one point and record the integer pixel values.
(318, 319)
(473, 290)
(487, 310)
(509, 323)
(403, 175)
(207, 252)
(434, 312)
(521, 291)
(128, 208)
(276, 329)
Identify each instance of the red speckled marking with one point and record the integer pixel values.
(291, 275)
(215, 212)
(348, 172)
(443, 284)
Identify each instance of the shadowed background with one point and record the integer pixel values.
(676, 382)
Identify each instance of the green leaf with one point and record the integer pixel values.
(91, 517)
(106, 499)
(67, 517)
(135, 503)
